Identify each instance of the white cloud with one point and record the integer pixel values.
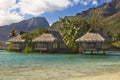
(94, 2)
(6, 14)
(11, 12)
(85, 2)
(37, 7)
(76, 1)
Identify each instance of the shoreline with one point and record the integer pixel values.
(68, 67)
(45, 74)
(105, 76)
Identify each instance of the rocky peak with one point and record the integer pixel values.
(109, 9)
(25, 25)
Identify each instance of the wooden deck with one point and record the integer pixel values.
(14, 47)
(93, 51)
(41, 49)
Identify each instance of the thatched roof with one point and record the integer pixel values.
(94, 35)
(49, 36)
(18, 38)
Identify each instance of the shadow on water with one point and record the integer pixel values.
(114, 54)
(109, 54)
(14, 60)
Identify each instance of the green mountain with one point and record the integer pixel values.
(109, 9)
(113, 23)
(110, 12)
(105, 17)
(25, 26)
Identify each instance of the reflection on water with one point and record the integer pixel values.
(56, 66)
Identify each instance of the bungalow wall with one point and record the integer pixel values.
(90, 45)
(48, 46)
(17, 46)
(93, 46)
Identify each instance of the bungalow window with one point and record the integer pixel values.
(38, 44)
(98, 45)
(55, 45)
(62, 45)
(15, 45)
(45, 44)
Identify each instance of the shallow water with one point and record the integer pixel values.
(17, 66)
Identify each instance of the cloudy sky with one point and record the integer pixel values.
(12, 11)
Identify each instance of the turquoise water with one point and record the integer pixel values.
(56, 66)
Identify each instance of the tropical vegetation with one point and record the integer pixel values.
(72, 27)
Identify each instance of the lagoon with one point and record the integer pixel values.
(18, 66)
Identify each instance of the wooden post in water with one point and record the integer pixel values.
(84, 51)
(104, 52)
(91, 52)
(80, 51)
(97, 51)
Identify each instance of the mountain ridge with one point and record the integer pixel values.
(25, 25)
(109, 9)
(111, 16)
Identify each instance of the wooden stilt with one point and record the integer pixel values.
(104, 52)
(97, 51)
(91, 52)
(40, 51)
(80, 51)
(84, 51)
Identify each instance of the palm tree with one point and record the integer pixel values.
(95, 18)
(12, 33)
(71, 28)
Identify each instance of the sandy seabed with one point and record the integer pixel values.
(59, 67)
(54, 74)
(108, 76)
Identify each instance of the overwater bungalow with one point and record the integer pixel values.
(49, 41)
(2, 45)
(17, 43)
(93, 40)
